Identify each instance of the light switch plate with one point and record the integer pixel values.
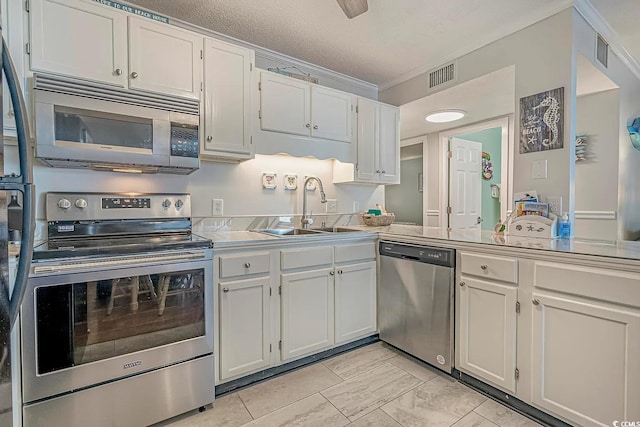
(332, 205)
(539, 169)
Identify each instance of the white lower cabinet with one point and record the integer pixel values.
(355, 301)
(487, 331)
(245, 313)
(585, 359)
(307, 310)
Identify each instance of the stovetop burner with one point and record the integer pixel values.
(107, 225)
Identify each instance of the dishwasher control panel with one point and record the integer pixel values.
(418, 253)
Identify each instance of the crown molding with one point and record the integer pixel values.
(491, 36)
(600, 25)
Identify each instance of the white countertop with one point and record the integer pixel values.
(614, 249)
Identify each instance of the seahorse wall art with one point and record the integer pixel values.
(542, 121)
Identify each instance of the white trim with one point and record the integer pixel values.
(432, 212)
(497, 33)
(608, 215)
(307, 67)
(600, 25)
(506, 177)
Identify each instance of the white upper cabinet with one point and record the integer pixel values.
(93, 42)
(227, 100)
(80, 39)
(330, 114)
(389, 144)
(295, 107)
(285, 104)
(164, 59)
(378, 146)
(12, 28)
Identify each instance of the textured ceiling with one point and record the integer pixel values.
(391, 39)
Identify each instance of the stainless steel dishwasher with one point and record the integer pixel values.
(415, 303)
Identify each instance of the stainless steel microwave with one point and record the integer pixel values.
(82, 132)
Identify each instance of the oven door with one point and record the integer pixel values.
(81, 328)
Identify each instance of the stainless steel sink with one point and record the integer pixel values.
(334, 230)
(289, 231)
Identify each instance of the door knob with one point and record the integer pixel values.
(536, 302)
(209, 138)
(377, 171)
(462, 283)
(134, 75)
(247, 265)
(383, 172)
(484, 266)
(225, 290)
(308, 125)
(118, 72)
(315, 126)
(339, 271)
(332, 273)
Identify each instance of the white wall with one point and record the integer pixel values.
(598, 117)
(629, 107)
(239, 185)
(542, 55)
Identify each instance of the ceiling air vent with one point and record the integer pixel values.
(442, 75)
(602, 51)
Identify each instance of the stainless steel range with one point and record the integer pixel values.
(117, 324)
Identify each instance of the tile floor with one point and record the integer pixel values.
(371, 386)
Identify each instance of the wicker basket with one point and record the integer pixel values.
(378, 220)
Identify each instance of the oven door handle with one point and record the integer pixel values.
(115, 262)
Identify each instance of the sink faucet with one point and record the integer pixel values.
(306, 219)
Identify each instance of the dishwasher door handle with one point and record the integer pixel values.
(410, 258)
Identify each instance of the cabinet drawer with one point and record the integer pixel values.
(607, 285)
(244, 264)
(306, 257)
(489, 267)
(357, 252)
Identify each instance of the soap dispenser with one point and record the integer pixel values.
(564, 227)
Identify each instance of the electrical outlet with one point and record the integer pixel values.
(332, 206)
(217, 207)
(555, 205)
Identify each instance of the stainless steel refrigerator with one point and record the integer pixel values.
(16, 227)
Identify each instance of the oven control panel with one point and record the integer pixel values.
(126, 203)
(105, 206)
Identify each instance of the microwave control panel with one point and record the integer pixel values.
(184, 141)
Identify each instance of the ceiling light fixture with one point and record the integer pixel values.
(353, 8)
(444, 116)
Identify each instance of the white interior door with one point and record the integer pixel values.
(465, 184)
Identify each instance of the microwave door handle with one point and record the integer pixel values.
(20, 111)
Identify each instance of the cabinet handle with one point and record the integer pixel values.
(118, 72)
(383, 172)
(247, 265)
(377, 171)
(339, 271)
(484, 266)
(536, 302)
(134, 75)
(315, 126)
(308, 125)
(462, 283)
(332, 273)
(209, 138)
(225, 290)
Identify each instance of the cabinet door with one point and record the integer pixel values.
(244, 326)
(355, 288)
(585, 360)
(227, 98)
(389, 144)
(368, 129)
(307, 312)
(330, 114)
(285, 104)
(80, 39)
(12, 27)
(164, 59)
(487, 341)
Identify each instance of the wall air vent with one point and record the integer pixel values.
(442, 75)
(602, 51)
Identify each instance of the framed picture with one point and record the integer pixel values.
(542, 121)
(420, 182)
